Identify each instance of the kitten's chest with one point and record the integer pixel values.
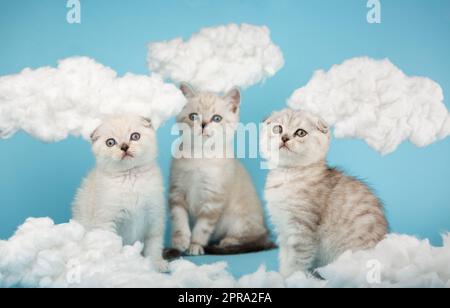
(201, 182)
(285, 197)
(196, 193)
(284, 191)
(131, 192)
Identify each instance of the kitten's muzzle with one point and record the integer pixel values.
(125, 147)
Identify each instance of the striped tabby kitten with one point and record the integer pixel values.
(212, 200)
(319, 212)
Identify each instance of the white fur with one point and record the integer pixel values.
(125, 195)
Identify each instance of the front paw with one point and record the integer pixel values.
(196, 250)
(162, 266)
(181, 241)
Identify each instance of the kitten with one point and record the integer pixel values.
(214, 196)
(124, 194)
(318, 212)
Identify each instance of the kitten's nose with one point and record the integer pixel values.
(124, 147)
(204, 125)
(285, 138)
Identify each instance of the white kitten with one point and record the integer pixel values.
(124, 193)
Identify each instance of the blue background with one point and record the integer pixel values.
(38, 179)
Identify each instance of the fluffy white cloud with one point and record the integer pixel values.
(217, 59)
(42, 254)
(375, 101)
(72, 99)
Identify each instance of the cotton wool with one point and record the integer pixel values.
(43, 254)
(375, 101)
(72, 99)
(217, 59)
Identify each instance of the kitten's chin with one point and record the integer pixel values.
(125, 164)
(127, 157)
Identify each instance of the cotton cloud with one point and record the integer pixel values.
(72, 99)
(42, 254)
(217, 59)
(375, 101)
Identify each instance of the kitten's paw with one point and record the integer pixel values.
(196, 250)
(162, 266)
(181, 242)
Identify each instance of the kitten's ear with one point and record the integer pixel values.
(188, 90)
(147, 123)
(322, 126)
(234, 97)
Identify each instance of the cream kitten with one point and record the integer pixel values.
(124, 193)
(214, 196)
(319, 212)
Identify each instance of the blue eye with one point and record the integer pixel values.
(301, 133)
(110, 143)
(217, 118)
(135, 137)
(277, 130)
(193, 117)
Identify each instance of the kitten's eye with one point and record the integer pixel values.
(193, 117)
(135, 137)
(217, 118)
(277, 130)
(110, 143)
(301, 133)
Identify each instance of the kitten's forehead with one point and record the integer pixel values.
(118, 126)
(295, 119)
(208, 103)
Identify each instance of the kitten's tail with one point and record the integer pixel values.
(261, 244)
(172, 254)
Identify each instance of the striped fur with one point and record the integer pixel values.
(319, 212)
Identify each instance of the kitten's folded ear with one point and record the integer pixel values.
(188, 90)
(94, 136)
(267, 120)
(147, 122)
(323, 126)
(234, 97)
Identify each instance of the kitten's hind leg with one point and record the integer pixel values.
(229, 241)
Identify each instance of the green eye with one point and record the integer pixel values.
(277, 130)
(193, 117)
(217, 118)
(301, 133)
(135, 137)
(110, 143)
